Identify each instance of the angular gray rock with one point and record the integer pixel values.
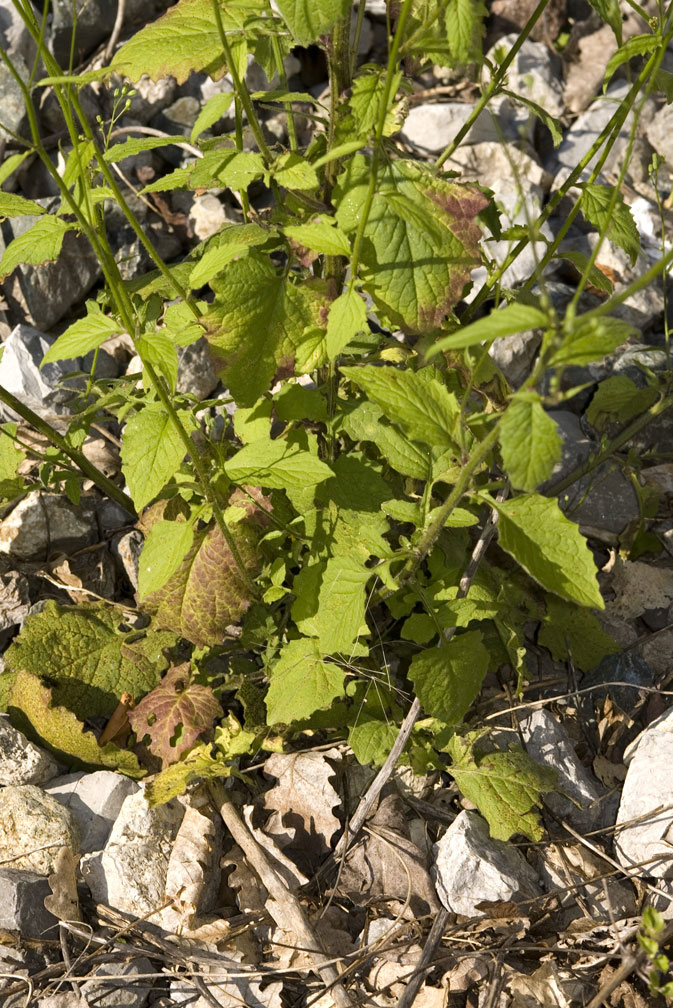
(430, 128)
(42, 524)
(95, 800)
(578, 795)
(22, 762)
(15, 39)
(130, 872)
(646, 797)
(91, 20)
(33, 828)
(471, 868)
(536, 73)
(14, 119)
(196, 374)
(22, 909)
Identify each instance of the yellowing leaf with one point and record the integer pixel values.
(309, 19)
(82, 336)
(347, 317)
(152, 450)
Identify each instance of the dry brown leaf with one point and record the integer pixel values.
(608, 773)
(302, 801)
(118, 728)
(192, 877)
(545, 988)
(63, 902)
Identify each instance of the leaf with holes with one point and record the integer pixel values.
(174, 714)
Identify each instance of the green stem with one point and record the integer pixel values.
(81, 461)
(289, 114)
(201, 475)
(493, 85)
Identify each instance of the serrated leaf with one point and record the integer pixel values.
(320, 236)
(159, 350)
(568, 631)
(415, 266)
(174, 714)
(618, 397)
(553, 125)
(369, 89)
(214, 109)
(595, 276)
(231, 168)
(371, 741)
(347, 317)
(605, 208)
(505, 787)
(257, 317)
(208, 591)
(39, 244)
(591, 340)
(549, 547)
(91, 661)
(279, 465)
(82, 336)
(293, 171)
(136, 145)
(301, 682)
(12, 205)
(309, 19)
(58, 730)
(447, 679)
(152, 451)
(178, 179)
(505, 321)
(232, 242)
(415, 400)
(364, 424)
(341, 604)
(166, 546)
(296, 402)
(465, 28)
(637, 45)
(172, 781)
(185, 39)
(529, 441)
(610, 12)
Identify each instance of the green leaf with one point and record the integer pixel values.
(447, 679)
(347, 317)
(320, 235)
(185, 39)
(416, 400)
(166, 546)
(637, 45)
(549, 547)
(279, 465)
(301, 682)
(372, 740)
(610, 12)
(172, 781)
(214, 109)
(618, 397)
(465, 28)
(136, 145)
(12, 205)
(512, 318)
(570, 631)
(341, 605)
(553, 125)
(293, 171)
(159, 350)
(91, 661)
(152, 451)
(40, 243)
(420, 242)
(591, 340)
(604, 207)
(254, 322)
(364, 424)
(208, 592)
(58, 730)
(663, 81)
(296, 402)
(178, 179)
(369, 89)
(505, 787)
(309, 19)
(231, 168)
(595, 276)
(11, 456)
(530, 442)
(82, 336)
(180, 324)
(174, 714)
(232, 243)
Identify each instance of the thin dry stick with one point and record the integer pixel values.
(369, 798)
(293, 916)
(116, 31)
(418, 977)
